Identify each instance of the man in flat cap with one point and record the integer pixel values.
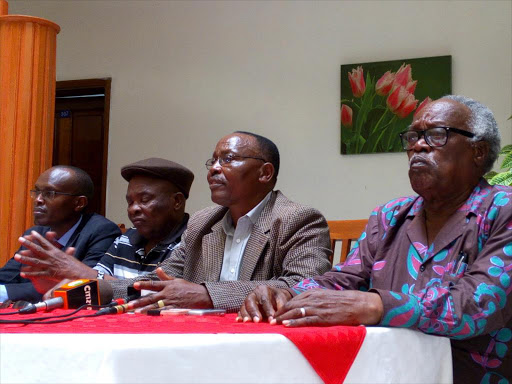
(156, 195)
(255, 235)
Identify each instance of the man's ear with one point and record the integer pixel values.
(480, 152)
(80, 203)
(179, 201)
(266, 173)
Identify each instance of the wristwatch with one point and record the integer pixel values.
(100, 275)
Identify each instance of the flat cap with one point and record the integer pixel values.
(177, 174)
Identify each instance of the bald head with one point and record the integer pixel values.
(61, 194)
(83, 184)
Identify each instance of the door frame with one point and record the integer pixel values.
(81, 86)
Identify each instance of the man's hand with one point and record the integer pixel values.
(49, 293)
(44, 261)
(322, 307)
(262, 303)
(175, 293)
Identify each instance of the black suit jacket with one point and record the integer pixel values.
(91, 239)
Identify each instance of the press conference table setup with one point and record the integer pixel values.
(134, 348)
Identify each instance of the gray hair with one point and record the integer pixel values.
(483, 125)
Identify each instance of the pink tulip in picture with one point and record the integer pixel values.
(379, 100)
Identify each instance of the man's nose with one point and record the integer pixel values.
(133, 208)
(39, 199)
(421, 145)
(215, 169)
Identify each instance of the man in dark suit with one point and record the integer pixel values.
(255, 235)
(60, 196)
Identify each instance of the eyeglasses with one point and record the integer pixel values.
(434, 137)
(48, 194)
(228, 159)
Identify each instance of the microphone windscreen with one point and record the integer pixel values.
(106, 292)
(84, 291)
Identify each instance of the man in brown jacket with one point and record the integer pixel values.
(254, 236)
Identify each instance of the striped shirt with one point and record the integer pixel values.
(126, 257)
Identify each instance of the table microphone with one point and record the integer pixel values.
(46, 305)
(84, 291)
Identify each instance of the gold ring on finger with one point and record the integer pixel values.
(160, 303)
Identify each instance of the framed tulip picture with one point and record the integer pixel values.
(379, 100)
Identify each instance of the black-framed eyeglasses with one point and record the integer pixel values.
(48, 194)
(435, 137)
(228, 159)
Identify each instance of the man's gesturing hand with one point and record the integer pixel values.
(262, 303)
(174, 293)
(322, 307)
(46, 265)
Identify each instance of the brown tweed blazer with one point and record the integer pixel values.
(289, 242)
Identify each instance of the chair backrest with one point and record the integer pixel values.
(345, 231)
(122, 227)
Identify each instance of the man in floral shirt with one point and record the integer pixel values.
(440, 262)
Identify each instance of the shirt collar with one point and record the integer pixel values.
(471, 205)
(477, 197)
(63, 240)
(253, 215)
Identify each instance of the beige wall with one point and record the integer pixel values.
(184, 73)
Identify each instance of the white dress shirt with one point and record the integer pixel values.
(237, 238)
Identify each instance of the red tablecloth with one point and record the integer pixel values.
(329, 350)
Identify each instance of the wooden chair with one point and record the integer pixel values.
(122, 227)
(345, 231)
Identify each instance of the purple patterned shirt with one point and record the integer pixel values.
(459, 286)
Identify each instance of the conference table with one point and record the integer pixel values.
(133, 348)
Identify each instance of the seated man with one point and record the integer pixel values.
(440, 262)
(60, 196)
(156, 195)
(256, 236)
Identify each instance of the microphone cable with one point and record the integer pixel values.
(9, 313)
(60, 318)
(19, 305)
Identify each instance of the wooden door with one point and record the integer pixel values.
(81, 131)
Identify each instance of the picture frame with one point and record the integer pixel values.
(379, 100)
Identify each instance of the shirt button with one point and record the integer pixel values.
(232, 270)
(422, 268)
(238, 240)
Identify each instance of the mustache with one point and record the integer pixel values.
(419, 159)
(215, 180)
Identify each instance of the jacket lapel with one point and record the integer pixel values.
(213, 252)
(74, 237)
